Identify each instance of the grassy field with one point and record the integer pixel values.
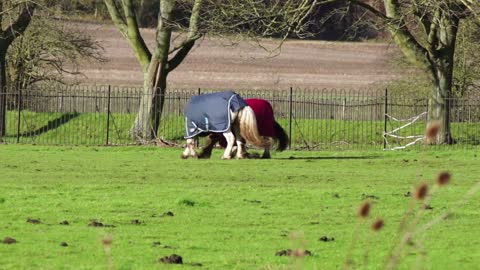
(229, 214)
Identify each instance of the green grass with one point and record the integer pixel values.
(90, 129)
(227, 214)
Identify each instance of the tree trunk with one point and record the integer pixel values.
(152, 100)
(442, 65)
(148, 118)
(439, 107)
(3, 92)
(159, 101)
(8, 32)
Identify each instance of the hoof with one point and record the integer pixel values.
(253, 155)
(184, 156)
(225, 158)
(204, 156)
(241, 157)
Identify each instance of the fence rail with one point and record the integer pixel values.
(314, 119)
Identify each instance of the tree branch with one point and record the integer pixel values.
(370, 8)
(128, 27)
(404, 39)
(117, 19)
(432, 37)
(21, 24)
(421, 13)
(180, 55)
(189, 42)
(1, 16)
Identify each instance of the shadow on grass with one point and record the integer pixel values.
(53, 124)
(327, 158)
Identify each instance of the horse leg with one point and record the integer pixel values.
(266, 153)
(189, 150)
(266, 150)
(230, 140)
(212, 139)
(235, 128)
(240, 148)
(240, 142)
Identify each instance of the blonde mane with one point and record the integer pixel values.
(248, 128)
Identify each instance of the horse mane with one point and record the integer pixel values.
(248, 128)
(281, 137)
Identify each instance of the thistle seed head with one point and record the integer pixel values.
(421, 191)
(443, 178)
(432, 130)
(364, 209)
(377, 225)
(107, 241)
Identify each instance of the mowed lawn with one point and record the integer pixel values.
(233, 214)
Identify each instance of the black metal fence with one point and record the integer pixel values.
(314, 119)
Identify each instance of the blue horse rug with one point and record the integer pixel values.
(211, 112)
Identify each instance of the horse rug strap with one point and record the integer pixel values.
(211, 112)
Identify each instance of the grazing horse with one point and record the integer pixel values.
(267, 127)
(221, 113)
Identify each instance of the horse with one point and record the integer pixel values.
(223, 113)
(268, 128)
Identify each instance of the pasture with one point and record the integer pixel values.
(233, 214)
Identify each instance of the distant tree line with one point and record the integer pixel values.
(333, 20)
(94, 8)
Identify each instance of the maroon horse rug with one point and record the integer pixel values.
(264, 114)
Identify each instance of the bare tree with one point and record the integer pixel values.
(34, 47)
(48, 50)
(195, 19)
(15, 16)
(426, 32)
(466, 73)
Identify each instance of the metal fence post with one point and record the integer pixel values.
(385, 118)
(290, 112)
(108, 112)
(197, 140)
(428, 113)
(3, 111)
(19, 105)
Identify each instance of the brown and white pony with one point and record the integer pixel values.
(268, 128)
(243, 128)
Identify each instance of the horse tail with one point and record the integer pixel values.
(249, 129)
(281, 137)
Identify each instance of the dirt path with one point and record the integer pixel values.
(215, 65)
